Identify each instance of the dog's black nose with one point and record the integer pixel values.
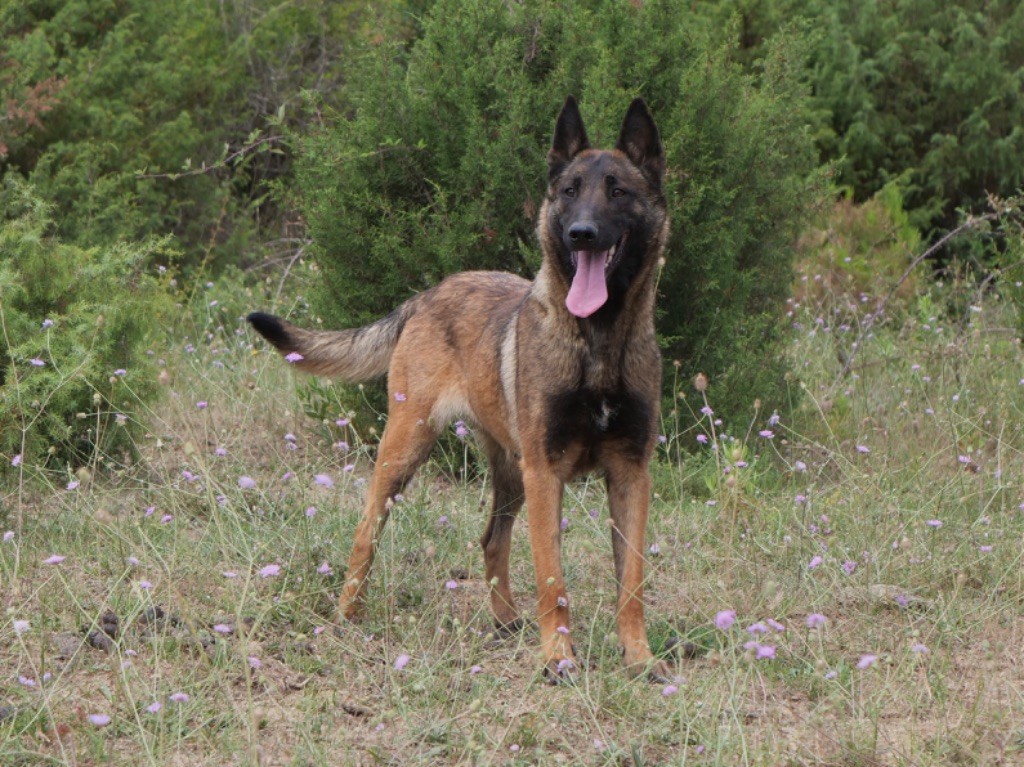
(583, 233)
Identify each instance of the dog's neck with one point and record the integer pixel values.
(602, 345)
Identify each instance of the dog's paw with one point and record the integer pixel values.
(504, 630)
(561, 671)
(659, 673)
(647, 667)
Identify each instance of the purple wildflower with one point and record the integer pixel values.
(724, 619)
(815, 619)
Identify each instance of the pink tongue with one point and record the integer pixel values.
(588, 291)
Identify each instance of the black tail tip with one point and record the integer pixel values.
(271, 328)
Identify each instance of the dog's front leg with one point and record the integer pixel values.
(629, 492)
(543, 512)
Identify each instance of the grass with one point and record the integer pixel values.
(886, 507)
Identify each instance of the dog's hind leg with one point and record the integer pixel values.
(497, 538)
(404, 446)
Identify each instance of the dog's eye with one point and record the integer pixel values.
(618, 192)
(570, 191)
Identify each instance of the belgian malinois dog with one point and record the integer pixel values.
(560, 376)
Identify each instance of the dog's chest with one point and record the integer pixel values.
(586, 418)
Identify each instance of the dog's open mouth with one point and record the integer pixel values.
(589, 289)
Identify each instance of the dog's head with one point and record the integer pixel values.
(603, 222)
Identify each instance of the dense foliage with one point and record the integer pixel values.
(135, 118)
(920, 92)
(437, 165)
(75, 325)
(133, 121)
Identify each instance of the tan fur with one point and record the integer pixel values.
(496, 350)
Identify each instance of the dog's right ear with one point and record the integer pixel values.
(570, 138)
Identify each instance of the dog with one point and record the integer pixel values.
(560, 376)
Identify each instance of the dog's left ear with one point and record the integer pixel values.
(640, 142)
(570, 138)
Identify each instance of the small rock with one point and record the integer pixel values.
(109, 624)
(100, 641)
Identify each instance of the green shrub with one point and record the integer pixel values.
(75, 322)
(437, 165)
(925, 93)
(137, 118)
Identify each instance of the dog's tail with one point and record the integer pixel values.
(359, 354)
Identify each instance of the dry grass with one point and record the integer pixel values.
(857, 475)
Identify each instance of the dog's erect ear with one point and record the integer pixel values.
(640, 142)
(570, 138)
